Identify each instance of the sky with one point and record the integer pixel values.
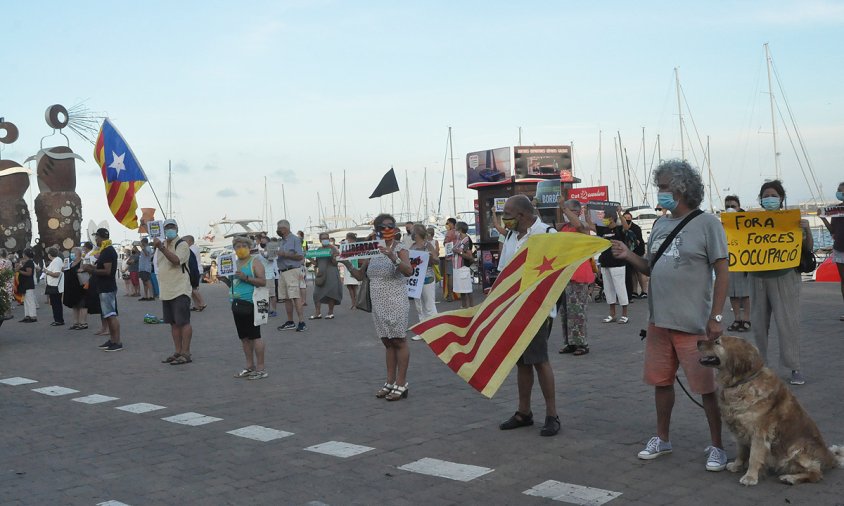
(234, 94)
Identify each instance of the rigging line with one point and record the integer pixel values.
(796, 130)
(751, 107)
(706, 159)
(799, 162)
(442, 180)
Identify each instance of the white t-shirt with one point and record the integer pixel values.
(55, 266)
(512, 244)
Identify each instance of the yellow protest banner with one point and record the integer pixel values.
(763, 240)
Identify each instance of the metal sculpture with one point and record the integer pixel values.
(15, 222)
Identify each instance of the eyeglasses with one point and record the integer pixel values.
(386, 226)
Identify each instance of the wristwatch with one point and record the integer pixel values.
(717, 318)
(397, 261)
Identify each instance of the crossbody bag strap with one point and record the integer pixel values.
(668, 240)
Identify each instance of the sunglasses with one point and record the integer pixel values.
(384, 226)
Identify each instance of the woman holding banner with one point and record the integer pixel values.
(425, 304)
(836, 229)
(776, 294)
(387, 275)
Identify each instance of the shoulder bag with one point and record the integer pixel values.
(364, 300)
(668, 240)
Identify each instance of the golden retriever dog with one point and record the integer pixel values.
(771, 428)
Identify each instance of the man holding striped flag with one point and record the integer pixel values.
(512, 326)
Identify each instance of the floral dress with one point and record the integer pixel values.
(388, 290)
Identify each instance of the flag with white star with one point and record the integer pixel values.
(482, 344)
(122, 174)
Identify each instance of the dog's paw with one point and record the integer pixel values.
(788, 479)
(734, 467)
(748, 481)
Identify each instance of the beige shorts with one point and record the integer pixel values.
(288, 284)
(303, 277)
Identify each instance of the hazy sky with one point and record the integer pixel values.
(232, 92)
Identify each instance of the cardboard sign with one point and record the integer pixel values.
(763, 240)
(318, 253)
(66, 264)
(600, 211)
(499, 204)
(833, 211)
(360, 250)
(226, 265)
(156, 230)
(415, 282)
(548, 194)
(589, 193)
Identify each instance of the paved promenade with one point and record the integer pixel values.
(80, 426)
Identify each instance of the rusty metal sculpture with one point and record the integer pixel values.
(15, 222)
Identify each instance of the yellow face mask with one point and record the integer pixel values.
(242, 253)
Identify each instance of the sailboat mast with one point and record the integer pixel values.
(680, 113)
(773, 117)
(658, 150)
(333, 202)
(284, 202)
(169, 188)
(600, 168)
(453, 188)
(617, 170)
(644, 167)
(629, 180)
(425, 184)
(709, 167)
(345, 208)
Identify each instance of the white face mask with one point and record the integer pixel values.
(730, 210)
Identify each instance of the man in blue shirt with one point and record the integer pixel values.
(290, 258)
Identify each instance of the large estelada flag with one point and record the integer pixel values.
(122, 174)
(481, 344)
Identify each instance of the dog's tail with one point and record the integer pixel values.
(838, 453)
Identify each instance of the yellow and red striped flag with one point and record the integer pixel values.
(483, 343)
(122, 174)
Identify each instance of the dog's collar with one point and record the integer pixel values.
(745, 380)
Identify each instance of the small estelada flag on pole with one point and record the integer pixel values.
(122, 174)
(387, 185)
(483, 343)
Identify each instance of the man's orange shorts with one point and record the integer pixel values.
(666, 350)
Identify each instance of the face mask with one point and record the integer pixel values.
(730, 210)
(510, 223)
(242, 253)
(839, 195)
(171, 234)
(325, 242)
(387, 233)
(770, 203)
(263, 245)
(666, 200)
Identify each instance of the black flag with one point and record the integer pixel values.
(387, 185)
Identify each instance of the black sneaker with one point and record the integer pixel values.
(114, 347)
(105, 344)
(516, 421)
(288, 325)
(300, 327)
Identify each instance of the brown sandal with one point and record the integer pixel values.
(171, 358)
(181, 359)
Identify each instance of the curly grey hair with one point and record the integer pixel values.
(242, 239)
(683, 179)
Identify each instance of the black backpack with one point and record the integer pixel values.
(191, 267)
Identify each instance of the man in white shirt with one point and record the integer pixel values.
(521, 221)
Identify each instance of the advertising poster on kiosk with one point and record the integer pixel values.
(488, 167)
(542, 161)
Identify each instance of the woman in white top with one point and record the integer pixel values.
(348, 280)
(54, 285)
(426, 304)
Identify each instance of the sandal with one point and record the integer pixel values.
(315, 317)
(745, 326)
(736, 325)
(385, 390)
(244, 373)
(516, 421)
(609, 319)
(329, 317)
(258, 375)
(399, 392)
(82, 326)
(202, 308)
(569, 348)
(623, 320)
(75, 326)
(581, 350)
(170, 358)
(181, 359)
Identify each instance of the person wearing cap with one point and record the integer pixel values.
(175, 289)
(104, 270)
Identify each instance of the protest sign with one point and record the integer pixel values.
(318, 253)
(156, 230)
(589, 193)
(499, 204)
(548, 194)
(360, 250)
(600, 211)
(419, 264)
(226, 265)
(66, 264)
(836, 211)
(763, 240)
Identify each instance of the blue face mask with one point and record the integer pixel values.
(171, 234)
(72, 257)
(839, 196)
(666, 200)
(325, 242)
(770, 203)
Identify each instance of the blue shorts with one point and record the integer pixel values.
(108, 304)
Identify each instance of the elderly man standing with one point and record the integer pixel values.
(290, 258)
(521, 221)
(175, 290)
(683, 251)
